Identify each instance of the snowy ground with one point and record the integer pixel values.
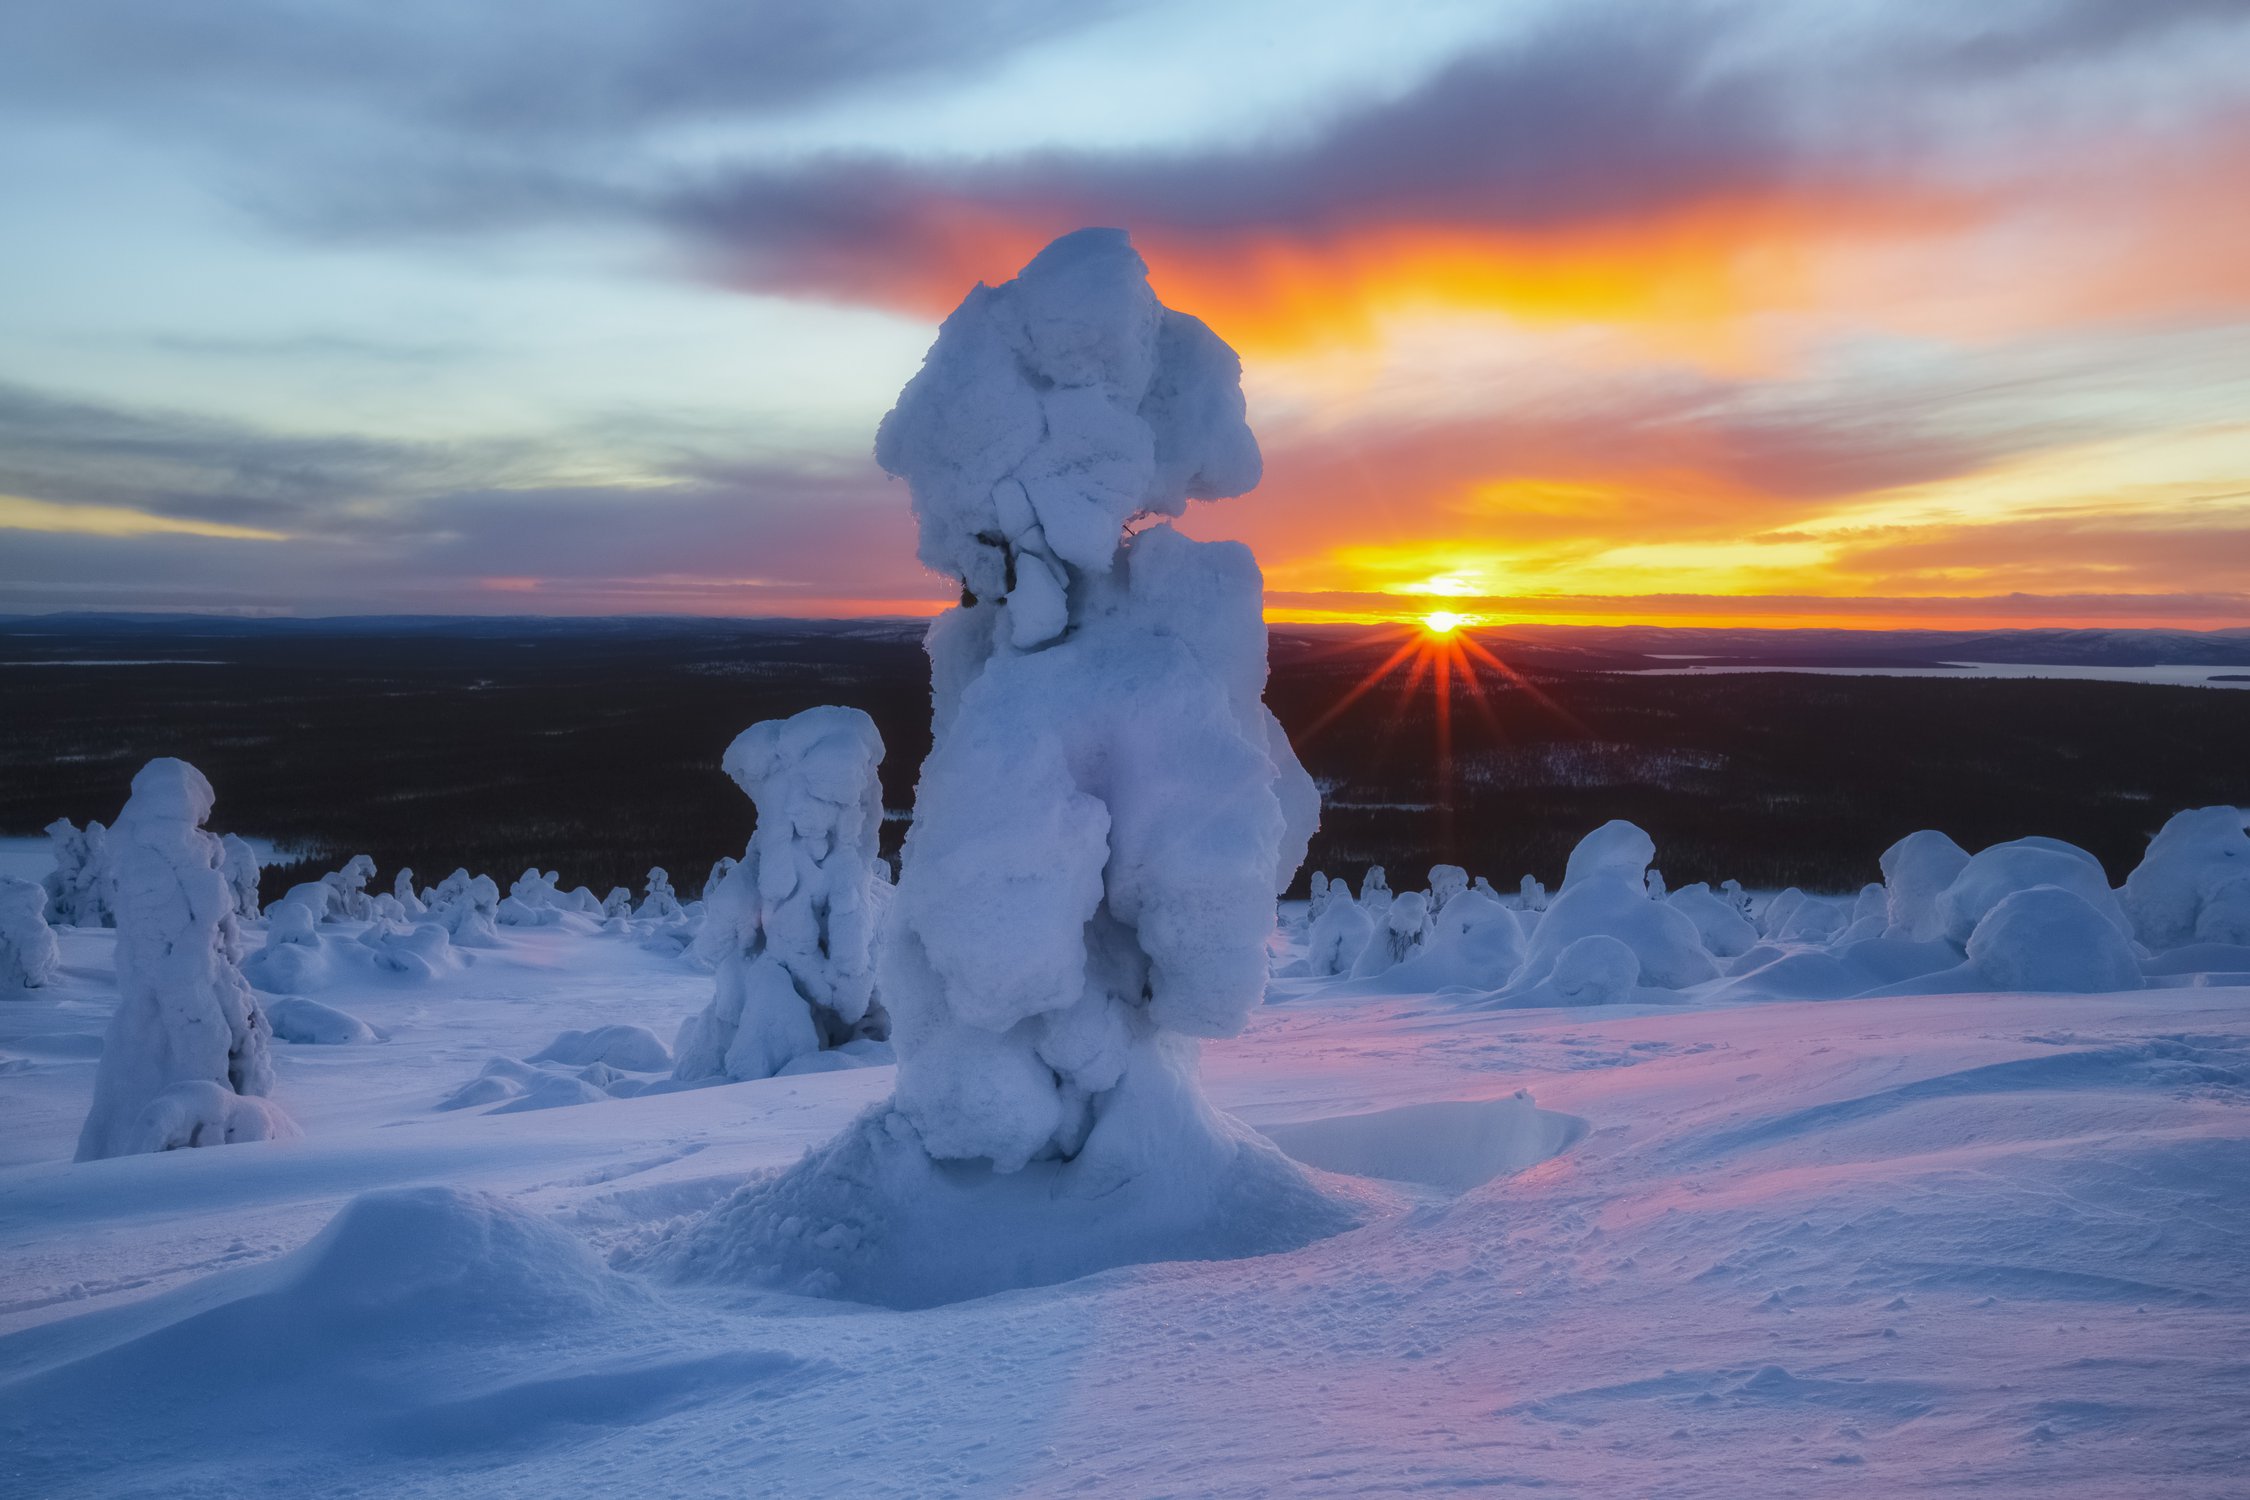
(1867, 1247)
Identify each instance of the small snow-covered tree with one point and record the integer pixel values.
(792, 926)
(349, 885)
(660, 903)
(28, 952)
(186, 1061)
(78, 886)
(239, 863)
(464, 905)
(1319, 897)
(402, 889)
(1446, 882)
(1399, 933)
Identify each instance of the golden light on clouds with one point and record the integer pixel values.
(19, 513)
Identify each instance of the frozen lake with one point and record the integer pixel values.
(2160, 676)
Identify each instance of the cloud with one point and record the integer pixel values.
(488, 70)
(191, 511)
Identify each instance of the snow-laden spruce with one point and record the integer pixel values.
(1104, 820)
(792, 926)
(29, 954)
(239, 863)
(186, 1059)
(78, 886)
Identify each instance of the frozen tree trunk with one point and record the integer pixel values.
(186, 1060)
(792, 927)
(1102, 826)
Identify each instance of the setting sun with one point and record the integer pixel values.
(1443, 622)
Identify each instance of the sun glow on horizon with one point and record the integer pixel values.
(1443, 622)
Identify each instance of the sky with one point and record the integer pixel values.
(1852, 313)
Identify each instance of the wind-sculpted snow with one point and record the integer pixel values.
(1104, 819)
(791, 928)
(186, 1061)
(28, 952)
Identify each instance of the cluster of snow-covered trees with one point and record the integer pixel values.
(2029, 914)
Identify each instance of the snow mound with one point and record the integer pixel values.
(555, 1082)
(2193, 884)
(1475, 943)
(1597, 969)
(635, 1049)
(1724, 931)
(312, 1024)
(1606, 894)
(1916, 871)
(1452, 1145)
(29, 954)
(2050, 939)
(1337, 936)
(1993, 874)
(1616, 848)
(871, 1217)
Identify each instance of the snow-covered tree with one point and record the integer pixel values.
(532, 900)
(28, 952)
(464, 905)
(402, 889)
(238, 862)
(1916, 871)
(792, 928)
(78, 886)
(350, 900)
(1319, 897)
(1399, 933)
(1104, 820)
(661, 903)
(185, 1062)
(2194, 882)
(1446, 882)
